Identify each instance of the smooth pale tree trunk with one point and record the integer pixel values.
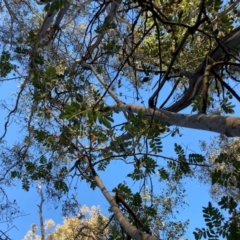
(129, 229)
(230, 126)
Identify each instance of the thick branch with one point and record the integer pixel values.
(231, 41)
(46, 24)
(130, 230)
(60, 15)
(153, 99)
(230, 126)
(111, 17)
(107, 88)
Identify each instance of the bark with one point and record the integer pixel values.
(230, 126)
(129, 229)
(226, 45)
(112, 11)
(41, 211)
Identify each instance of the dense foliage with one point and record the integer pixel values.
(107, 81)
(85, 227)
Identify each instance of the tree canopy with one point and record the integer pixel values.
(81, 228)
(109, 80)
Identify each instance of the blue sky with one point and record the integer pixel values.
(197, 193)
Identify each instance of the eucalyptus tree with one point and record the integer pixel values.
(101, 81)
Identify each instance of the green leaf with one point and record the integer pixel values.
(51, 72)
(195, 158)
(25, 184)
(15, 174)
(79, 98)
(227, 107)
(30, 167)
(54, 6)
(61, 185)
(5, 66)
(163, 174)
(156, 144)
(38, 59)
(63, 172)
(136, 200)
(124, 190)
(43, 160)
(104, 121)
(22, 50)
(103, 165)
(40, 135)
(71, 110)
(146, 79)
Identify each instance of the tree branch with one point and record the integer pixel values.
(230, 41)
(230, 126)
(153, 99)
(110, 17)
(130, 230)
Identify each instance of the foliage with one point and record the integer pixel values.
(90, 222)
(87, 226)
(218, 225)
(103, 82)
(223, 173)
